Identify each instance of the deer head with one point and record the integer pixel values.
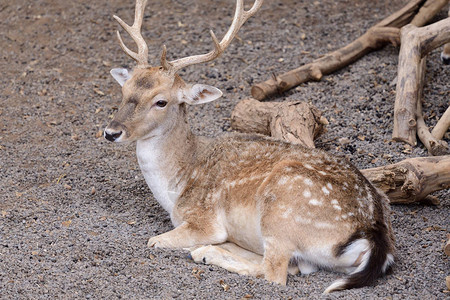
(154, 97)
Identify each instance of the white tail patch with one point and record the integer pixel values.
(336, 286)
(388, 262)
(353, 253)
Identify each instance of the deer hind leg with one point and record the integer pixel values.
(276, 261)
(187, 235)
(230, 257)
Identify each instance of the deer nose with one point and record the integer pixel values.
(111, 135)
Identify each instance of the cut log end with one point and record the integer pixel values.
(296, 122)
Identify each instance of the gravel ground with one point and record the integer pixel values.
(75, 212)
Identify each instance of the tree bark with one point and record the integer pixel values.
(296, 122)
(416, 43)
(412, 179)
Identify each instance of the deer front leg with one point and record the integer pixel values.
(185, 236)
(230, 257)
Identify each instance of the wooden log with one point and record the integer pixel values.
(445, 55)
(412, 179)
(427, 11)
(374, 38)
(377, 36)
(434, 146)
(416, 43)
(296, 122)
(442, 125)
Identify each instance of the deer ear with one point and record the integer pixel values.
(199, 93)
(120, 75)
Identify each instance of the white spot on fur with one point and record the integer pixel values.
(297, 177)
(323, 225)
(325, 190)
(308, 181)
(329, 186)
(337, 207)
(306, 193)
(286, 213)
(308, 166)
(334, 201)
(283, 180)
(322, 173)
(345, 186)
(301, 220)
(315, 202)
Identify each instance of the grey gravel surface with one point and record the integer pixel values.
(75, 212)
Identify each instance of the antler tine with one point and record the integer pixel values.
(240, 17)
(141, 57)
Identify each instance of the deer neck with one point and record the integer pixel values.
(165, 158)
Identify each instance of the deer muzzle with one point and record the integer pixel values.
(114, 132)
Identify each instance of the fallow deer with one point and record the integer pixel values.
(286, 204)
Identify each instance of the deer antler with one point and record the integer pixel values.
(141, 57)
(240, 16)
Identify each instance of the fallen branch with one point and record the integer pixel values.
(296, 122)
(416, 43)
(374, 38)
(434, 146)
(419, 11)
(442, 125)
(411, 180)
(428, 11)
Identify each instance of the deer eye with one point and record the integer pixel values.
(161, 103)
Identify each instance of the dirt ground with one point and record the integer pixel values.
(75, 212)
